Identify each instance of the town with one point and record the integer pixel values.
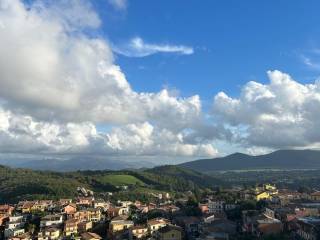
(257, 212)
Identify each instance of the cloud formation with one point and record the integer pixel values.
(57, 82)
(138, 48)
(24, 134)
(281, 114)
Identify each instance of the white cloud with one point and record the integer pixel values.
(52, 73)
(119, 4)
(138, 48)
(57, 83)
(23, 134)
(281, 114)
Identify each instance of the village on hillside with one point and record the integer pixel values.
(263, 212)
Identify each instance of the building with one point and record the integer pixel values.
(6, 210)
(156, 224)
(16, 222)
(139, 231)
(71, 227)
(49, 233)
(119, 224)
(169, 232)
(50, 220)
(315, 196)
(90, 236)
(84, 226)
(70, 208)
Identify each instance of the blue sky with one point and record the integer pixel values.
(233, 41)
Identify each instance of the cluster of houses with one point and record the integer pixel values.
(284, 212)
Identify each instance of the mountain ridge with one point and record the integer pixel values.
(280, 159)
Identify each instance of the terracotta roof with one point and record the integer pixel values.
(90, 235)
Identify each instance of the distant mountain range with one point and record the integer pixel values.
(75, 164)
(282, 159)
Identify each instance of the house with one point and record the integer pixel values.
(85, 201)
(70, 208)
(90, 236)
(262, 195)
(49, 233)
(70, 227)
(117, 211)
(315, 196)
(26, 206)
(81, 216)
(50, 220)
(23, 236)
(63, 202)
(156, 224)
(139, 231)
(101, 204)
(42, 205)
(84, 226)
(94, 214)
(6, 210)
(16, 222)
(13, 232)
(120, 223)
(169, 232)
(125, 203)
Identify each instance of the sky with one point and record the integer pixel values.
(174, 80)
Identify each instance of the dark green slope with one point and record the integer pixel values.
(20, 184)
(282, 159)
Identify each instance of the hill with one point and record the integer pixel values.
(19, 184)
(282, 159)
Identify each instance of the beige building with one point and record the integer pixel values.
(139, 231)
(169, 232)
(118, 224)
(156, 224)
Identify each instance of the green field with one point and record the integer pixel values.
(121, 179)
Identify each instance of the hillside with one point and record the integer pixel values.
(19, 184)
(282, 159)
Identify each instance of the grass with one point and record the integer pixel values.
(121, 179)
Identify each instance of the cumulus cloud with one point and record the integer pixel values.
(281, 114)
(57, 82)
(23, 134)
(53, 73)
(138, 48)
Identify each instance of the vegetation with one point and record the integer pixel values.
(21, 184)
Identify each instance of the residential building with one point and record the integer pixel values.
(90, 236)
(71, 227)
(49, 220)
(139, 231)
(169, 232)
(156, 224)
